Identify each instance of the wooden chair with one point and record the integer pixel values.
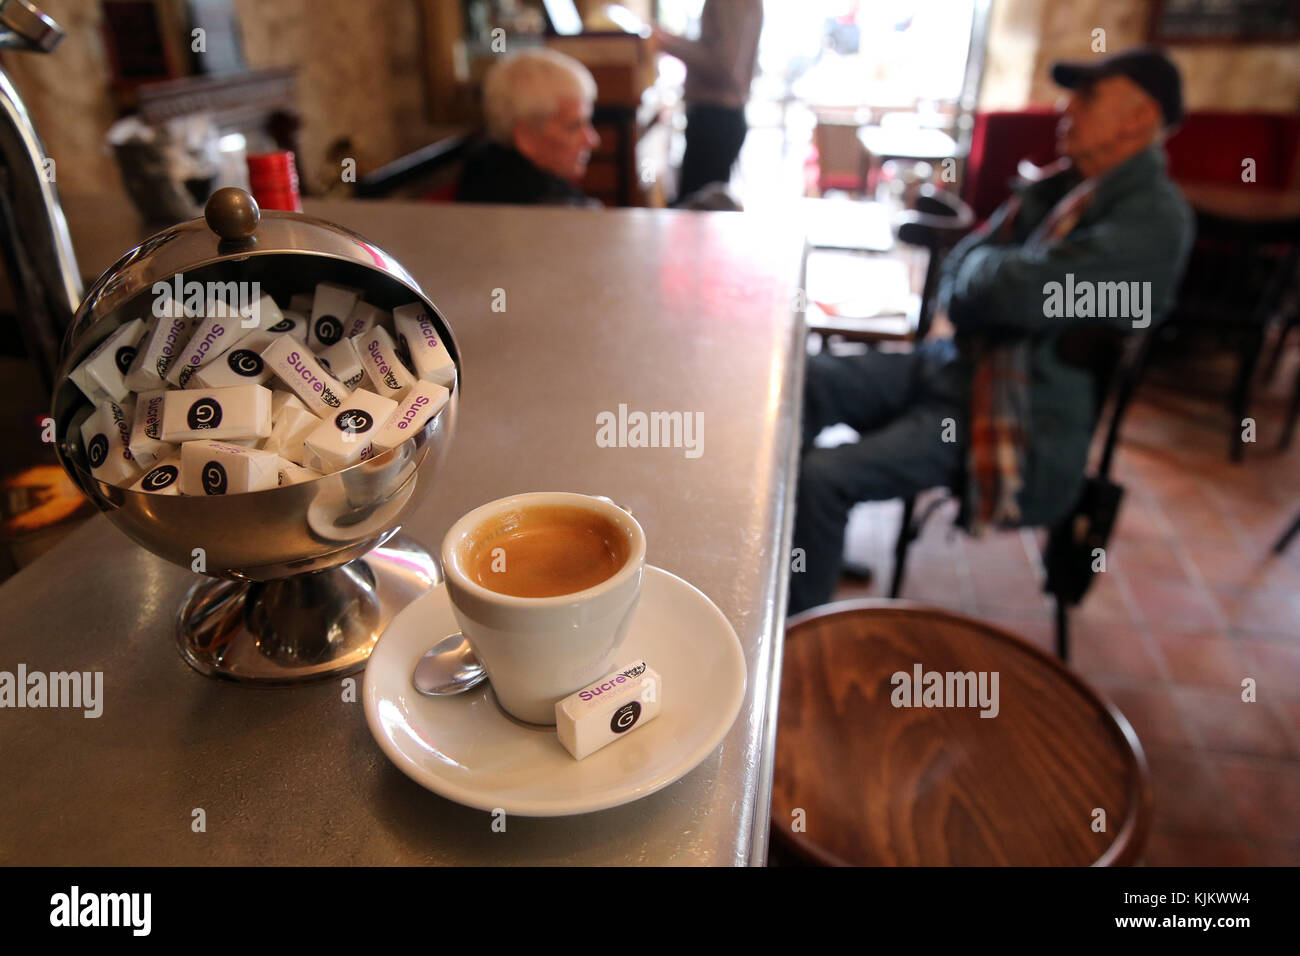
(1102, 352)
(1236, 280)
(936, 223)
(1056, 778)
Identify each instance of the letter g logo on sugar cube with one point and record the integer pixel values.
(123, 358)
(354, 421)
(97, 450)
(214, 478)
(245, 362)
(328, 329)
(205, 413)
(161, 477)
(625, 717)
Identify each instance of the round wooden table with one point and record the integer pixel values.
(1055, 775)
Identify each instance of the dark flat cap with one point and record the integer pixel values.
(1147, 66)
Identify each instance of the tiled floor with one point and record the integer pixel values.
(1193, 601)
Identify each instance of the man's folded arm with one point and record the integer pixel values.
(1007, 287)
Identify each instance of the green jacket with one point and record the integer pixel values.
(1137, 229)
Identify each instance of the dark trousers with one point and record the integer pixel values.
(900, 404)
(714, 135)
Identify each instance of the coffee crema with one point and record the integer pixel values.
(545, 551)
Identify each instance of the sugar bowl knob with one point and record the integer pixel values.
(232, 213)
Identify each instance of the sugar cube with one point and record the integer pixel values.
(385, 371)
(422, 402)
(238, 365)
(220, 468)
(167, 339)
(422, 342)
(163, 478)
(238, 411)
(146, 443)
(291, 428)
(215, 335)
(330, 307)
(101, 374)
(298, 368)
(363, 318)
(341, 361)
(605, 710)
(343, 439)
(106, 435)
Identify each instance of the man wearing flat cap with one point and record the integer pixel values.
(995, 403)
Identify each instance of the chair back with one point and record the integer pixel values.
(938, 222)
(1114, 360)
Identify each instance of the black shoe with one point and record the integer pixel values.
(857, 573)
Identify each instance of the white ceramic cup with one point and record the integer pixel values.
(537, 651)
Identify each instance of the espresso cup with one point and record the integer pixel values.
(543, 586)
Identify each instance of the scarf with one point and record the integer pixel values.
(999, 407)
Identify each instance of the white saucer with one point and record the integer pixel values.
(466, 749)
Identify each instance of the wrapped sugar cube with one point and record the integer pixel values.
(296, 367)
(239, 411)
(292, 324)
(384, 370)
(363, 318)
(282, 399)
(421, 341)
(330, 307)
(146, 444)
(163, 478)
(294, 474)
(301, 302)
(101, 374)
(341, 361)
(264, 314)
(610, 708)
(165, 341)
(215, 335)
(344, 439)
(220, 468)
(238, 365)
(290, 430)
(106, 436)
(422, 402)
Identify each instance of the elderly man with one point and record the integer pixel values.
(538, 108)
(996, 403)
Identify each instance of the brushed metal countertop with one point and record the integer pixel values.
(657, 310)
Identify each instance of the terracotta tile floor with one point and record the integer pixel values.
(1193, 601)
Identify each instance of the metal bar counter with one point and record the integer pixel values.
(658, 311)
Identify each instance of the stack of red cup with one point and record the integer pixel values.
(273, 180)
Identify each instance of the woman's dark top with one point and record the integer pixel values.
(500, 174)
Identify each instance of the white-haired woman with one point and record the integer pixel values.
(537, 104)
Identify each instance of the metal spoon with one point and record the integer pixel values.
(449, 667)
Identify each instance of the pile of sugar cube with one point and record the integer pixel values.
(235, 401)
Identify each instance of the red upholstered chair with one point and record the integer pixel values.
(999, 141)
(1209, 148)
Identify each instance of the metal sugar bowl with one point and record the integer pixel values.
(300, 580)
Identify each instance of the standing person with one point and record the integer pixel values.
(719, 68)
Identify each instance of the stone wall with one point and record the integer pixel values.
(360, 76)
(1026, 36)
